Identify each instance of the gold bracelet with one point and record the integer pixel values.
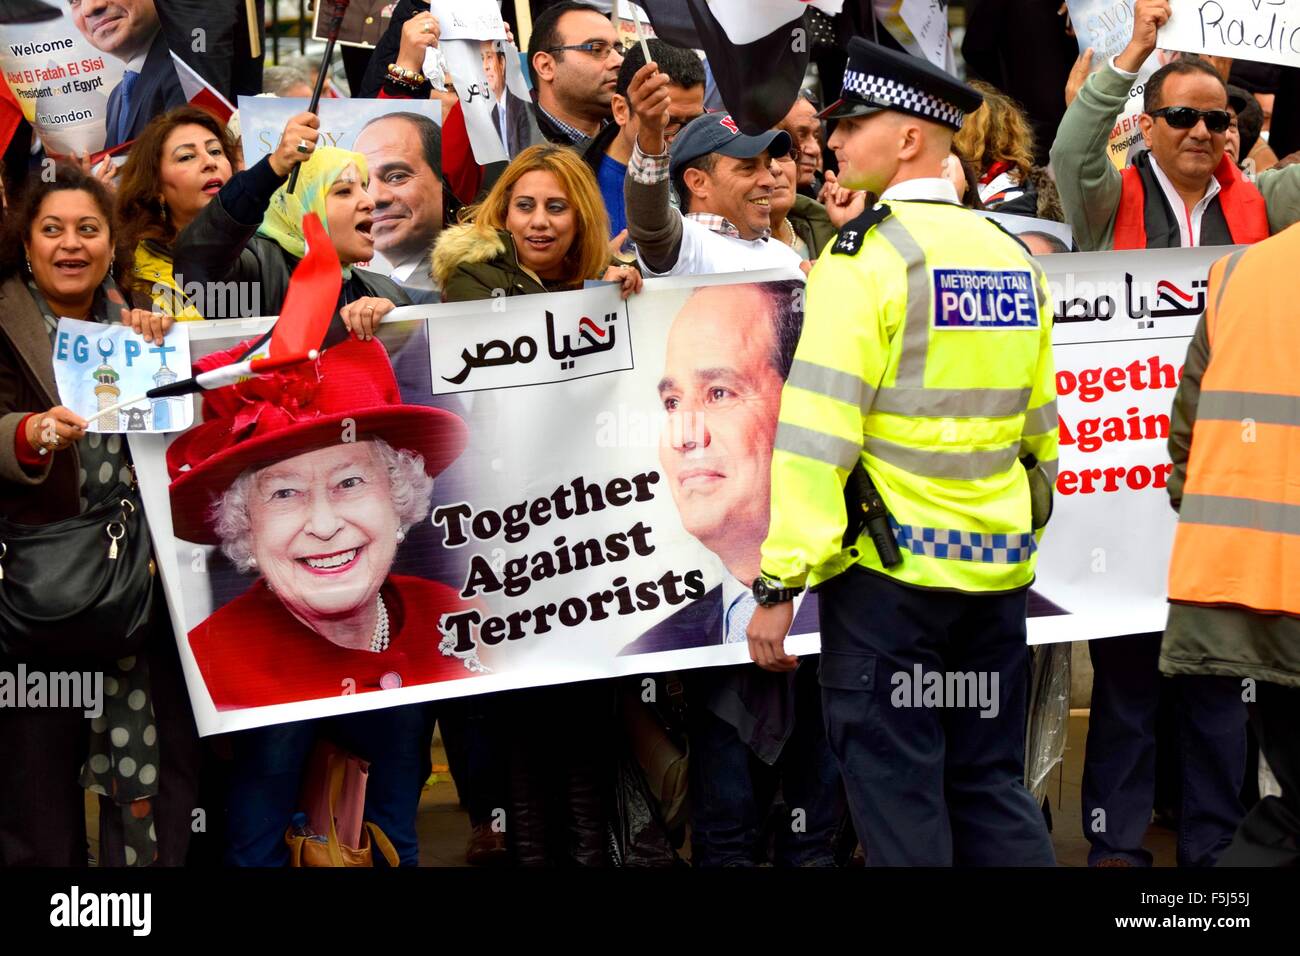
(411, 78)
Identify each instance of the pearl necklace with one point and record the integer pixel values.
(789, 231)
(379, 642)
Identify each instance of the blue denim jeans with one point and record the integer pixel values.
(1119, 766)
(269, 762)
(732, 790)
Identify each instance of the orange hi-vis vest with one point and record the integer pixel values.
(1238, 538)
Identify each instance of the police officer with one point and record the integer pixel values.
(926, 359)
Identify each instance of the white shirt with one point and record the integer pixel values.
(731, 591)
(928, 188)
(704, 252)
(1189, 222)
(414, 272)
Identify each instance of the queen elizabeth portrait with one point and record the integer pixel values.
(310, 479)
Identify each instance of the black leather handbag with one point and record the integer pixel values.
(79, 588)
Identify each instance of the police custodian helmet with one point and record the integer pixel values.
(877, 78)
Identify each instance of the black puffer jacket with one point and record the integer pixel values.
(221, 245)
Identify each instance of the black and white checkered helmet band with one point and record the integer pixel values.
(882, 91)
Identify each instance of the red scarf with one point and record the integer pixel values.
(1242, 204)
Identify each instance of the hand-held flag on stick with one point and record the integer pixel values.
(309, 305)
(331, 35)
(757, 49)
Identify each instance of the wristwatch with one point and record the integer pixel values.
(768, 592)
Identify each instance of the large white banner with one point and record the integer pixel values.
(599, 492)
(1123, 323)
(1265, 30)
(562, 487)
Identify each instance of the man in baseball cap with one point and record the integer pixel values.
(724, 180)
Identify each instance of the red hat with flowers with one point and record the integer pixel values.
(348, 393)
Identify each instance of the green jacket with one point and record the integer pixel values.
(1089, 183)
(468, 265)
(812, 224)
(1219, 640)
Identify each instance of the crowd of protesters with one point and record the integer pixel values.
(637, 178)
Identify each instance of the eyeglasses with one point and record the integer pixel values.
(675, 126)
(597, 48)
(1186, 117)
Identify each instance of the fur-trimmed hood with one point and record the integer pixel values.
(465, 244)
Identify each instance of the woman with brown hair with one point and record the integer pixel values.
(542, 228)
(176, 167)
(998, 142)
(140, 752)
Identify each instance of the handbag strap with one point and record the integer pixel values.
(383, 844)
(338, 766)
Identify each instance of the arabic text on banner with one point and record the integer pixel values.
(1123, 323)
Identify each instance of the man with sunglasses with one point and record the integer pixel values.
(574, 56)
(1182, 191)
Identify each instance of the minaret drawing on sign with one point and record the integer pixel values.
(162, 407)
(106, 390)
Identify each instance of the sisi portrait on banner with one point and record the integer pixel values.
(309, 480)
(728, 354)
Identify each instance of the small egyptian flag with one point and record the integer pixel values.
(757, 49)
(199, 92)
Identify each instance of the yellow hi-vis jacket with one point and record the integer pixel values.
(926, 351)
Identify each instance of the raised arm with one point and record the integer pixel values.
(210, 249)
(1086, 177)
(652, 223)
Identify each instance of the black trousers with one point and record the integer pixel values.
(42, 804)
(560, 772)
(1270, 833)
(933, 778)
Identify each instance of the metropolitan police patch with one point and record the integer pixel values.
(984, 299)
